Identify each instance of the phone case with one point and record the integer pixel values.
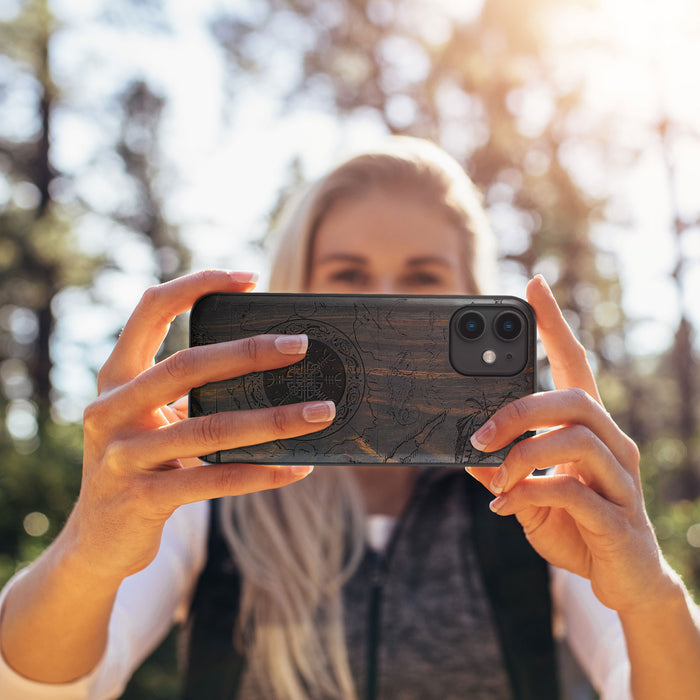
(386, 363)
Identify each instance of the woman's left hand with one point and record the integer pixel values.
(587, 514)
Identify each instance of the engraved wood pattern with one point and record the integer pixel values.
(383, 360)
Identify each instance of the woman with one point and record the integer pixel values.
(403, 221)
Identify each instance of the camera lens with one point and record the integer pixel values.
(508, 325)
(471, 325)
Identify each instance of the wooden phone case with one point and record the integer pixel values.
(384, 360)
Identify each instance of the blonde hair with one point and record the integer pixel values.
(296, 546)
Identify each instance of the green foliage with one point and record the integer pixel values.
(678, 530)
(39, 476)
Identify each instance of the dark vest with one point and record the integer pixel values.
(513, 577)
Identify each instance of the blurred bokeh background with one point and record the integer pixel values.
(140, 139)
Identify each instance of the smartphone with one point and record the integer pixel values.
(412, 377)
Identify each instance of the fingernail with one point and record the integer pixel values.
(499, 480)
(497, 504)
(302, 471)
(243, 277)
(483, 436)
(292, 344)
(543, 282)
(319, 412)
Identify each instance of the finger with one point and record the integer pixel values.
(192, 367)
(585, 506)
(567, 357)
(483, 475)
(180, 407)
(582, 451)
(148, 324)
(551, 409)
(228, 430)
(175, 488)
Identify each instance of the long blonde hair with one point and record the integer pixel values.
(296, 546)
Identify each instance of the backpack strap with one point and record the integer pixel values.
(214, 667)
(517, 584)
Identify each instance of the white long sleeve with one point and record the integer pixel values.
(146, 606)
(594, 634)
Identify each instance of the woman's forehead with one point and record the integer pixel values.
(374, 223)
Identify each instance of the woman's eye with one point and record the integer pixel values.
(351, 276)
(424, 279)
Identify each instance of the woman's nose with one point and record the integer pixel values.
(388, 284)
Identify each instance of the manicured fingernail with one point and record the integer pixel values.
(243, 277)
(319, 412)
(497, 504)
(483, 436)
(302, 471)
(543, 282)
(292, 344)
(498, 483)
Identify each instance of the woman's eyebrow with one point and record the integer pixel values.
(343, 257)
(430, 260)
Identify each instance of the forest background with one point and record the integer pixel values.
(141, 139)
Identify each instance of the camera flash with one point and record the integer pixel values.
(489, 357)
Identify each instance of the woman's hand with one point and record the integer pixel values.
(587, 515)
(140, 451)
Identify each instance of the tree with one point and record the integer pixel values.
(40, 259)
(39, 255)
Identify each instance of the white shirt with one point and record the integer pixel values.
(149, 602)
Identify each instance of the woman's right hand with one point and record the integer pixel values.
(140, 453)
